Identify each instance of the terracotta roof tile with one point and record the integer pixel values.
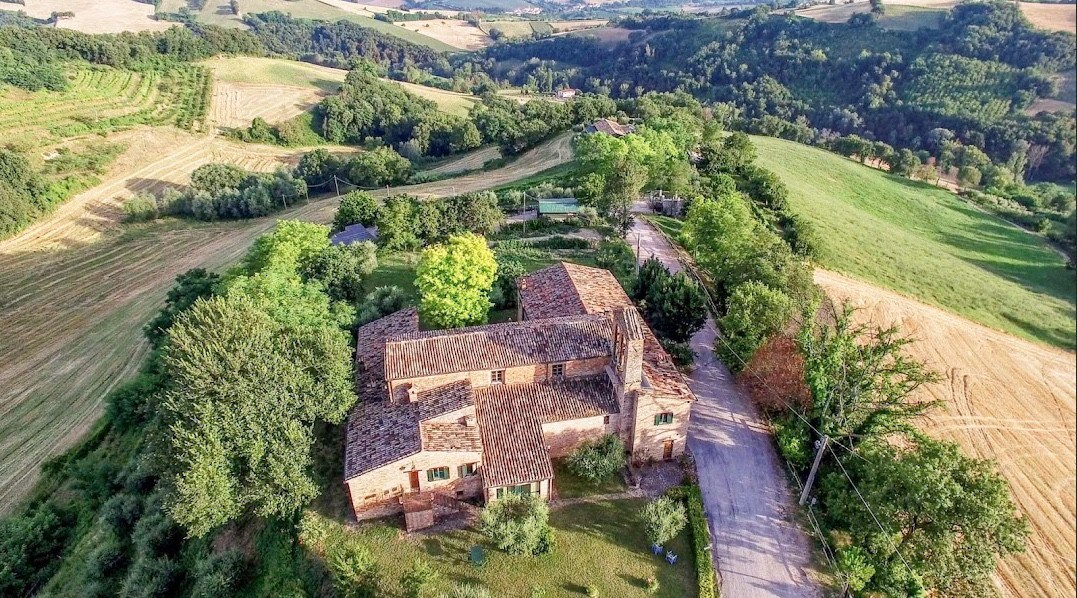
(497, 346)
(566, 288)
(444, 399)
(379, 433)
(511, 417)
(370, 351)
(450, 436)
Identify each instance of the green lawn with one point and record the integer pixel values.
(570, 485)
(598, 543)
(926, 243)
(911, 18)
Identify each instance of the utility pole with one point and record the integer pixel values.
(821, 448)
(638, 254)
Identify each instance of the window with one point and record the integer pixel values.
(663, 418)
(468, 469)
(606, 420)
(557, 371)
(497, 377)
(521, 490)
(437, 473)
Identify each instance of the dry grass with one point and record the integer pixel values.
(564, 26)
(470, 161)
(452, 102)
(1006, 399)
(454, 32)
(75, 291)
(609, 35)
(96, 16)
(276, 90)
(1052, 17)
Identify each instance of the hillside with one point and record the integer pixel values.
(1001, 398)
(926, 243)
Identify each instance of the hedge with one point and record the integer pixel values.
(701, 539)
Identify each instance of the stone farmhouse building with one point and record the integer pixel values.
(478, 412)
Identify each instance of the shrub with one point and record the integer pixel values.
(616, 256)
(701, 543)
(794, 440)
(855, 567)
(652, 585)
(151, 576)
(140, 208)
(663, 519)
(218, 575)
(592, 591)
(418, 580)
(355, 573)
(121, 512)
(599, 459)
(381, 302)
(518, 525)
(466, 591)
(108, 556)
(682, 353)
(588, 216)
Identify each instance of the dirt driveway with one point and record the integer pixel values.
(759, 548)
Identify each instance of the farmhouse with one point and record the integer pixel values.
(479, 412)
(609, 127)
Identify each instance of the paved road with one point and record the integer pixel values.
(760, 550)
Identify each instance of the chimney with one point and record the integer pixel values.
(628, 347)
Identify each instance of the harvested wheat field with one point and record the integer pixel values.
(75, 293)
(1052, 17)
(96, 16)
(454, 32)
(237, 104)
(1004, 398)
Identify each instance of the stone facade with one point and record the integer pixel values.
(595, 369)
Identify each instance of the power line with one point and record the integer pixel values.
(744, 364)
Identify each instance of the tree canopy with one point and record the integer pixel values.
(454, 281)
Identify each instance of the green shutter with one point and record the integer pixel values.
(430, 475)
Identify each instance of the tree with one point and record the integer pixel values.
(663, 518)
(355, 572)
(357, 207)
(397, 224)
(246, 392)
(379, 167)
(623, 187)
(599, 459)
(676, 308)
(382, 302)
(190, 286)
(418, 581)
(518, 524)
(904, 163)
(651, 275)
(454, 281)
(949, 516)
(318, 167)
(215, 179)
(861, 380)
(969, 176)
(343, 269)
(289, 248)
(755, 313)
(509, 270)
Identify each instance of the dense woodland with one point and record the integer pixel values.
(835, 79)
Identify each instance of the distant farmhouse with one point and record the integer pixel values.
(609, 127)
(354, 233)
(478, 412)
(565, 94)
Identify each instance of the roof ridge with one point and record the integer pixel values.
(483, 328)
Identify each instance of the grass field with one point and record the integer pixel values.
(926, 243)
(218, 12)
(910, 15)
(75, 291)
(448, 101)
(103, 100)
(454, 32)
(95, 16)
(599, 543)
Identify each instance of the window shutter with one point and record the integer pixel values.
(430, 475)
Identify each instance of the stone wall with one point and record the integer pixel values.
(518, 375)
(392, 481)
(648, 438)
(564, 437)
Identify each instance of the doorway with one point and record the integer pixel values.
(667, 450)
(413, 479)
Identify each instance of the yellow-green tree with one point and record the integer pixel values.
(454, 281)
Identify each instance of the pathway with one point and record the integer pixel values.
(759, 547)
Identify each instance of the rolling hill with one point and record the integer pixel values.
(926, 243)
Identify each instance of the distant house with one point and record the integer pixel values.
(479, 412)
(609, 127)
(558, 207)
(354, 233)
(565, 94)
